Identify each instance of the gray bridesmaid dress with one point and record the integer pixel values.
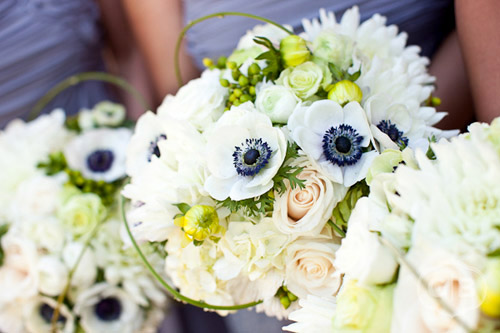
(43, 42)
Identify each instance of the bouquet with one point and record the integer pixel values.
(250, 172)
(436, 218)
(63, 265)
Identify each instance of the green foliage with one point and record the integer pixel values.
(285, 296)
(72, 123)
(273, 58)
(251, 207)
(55, 164)
(3, 230)
(183, 207)
(495, 253)
(430, 153)
(288, 172)
(342, 212)
(339, 75)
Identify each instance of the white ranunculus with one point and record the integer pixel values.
(314, 316)
(251, 249)
(38, 313)
(36, 197)
(201, 101)
(311, 267)
(333, 137)
(106, 308)
(361, 255)
(99, 154)
(304, 79)
(452, 280)
(244, 153)
(47, 232)
(107, 113)
(52, 275)
(86, 271)
(18, 274)
(305, 211)
(278, 102)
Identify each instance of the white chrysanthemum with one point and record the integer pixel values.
(244, 153)
(38, 313)
(334, 138)
(315, 315)
(106, 308)
(455, 199)
(252, 250)
(99, 154)
(201, 101)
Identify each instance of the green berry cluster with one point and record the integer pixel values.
(286, 297)
(106, 191)
(72, 124)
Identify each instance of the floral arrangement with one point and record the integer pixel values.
(437, 219)
(250, 172)
(63, 265)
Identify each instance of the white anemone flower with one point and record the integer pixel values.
(244, 153)
(99, 154)
(334, 138)
(38, 314)
(106, 308)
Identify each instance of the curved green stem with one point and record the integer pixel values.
(81, 77)
(165, 284)
(206, 17)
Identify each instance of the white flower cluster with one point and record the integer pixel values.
(61, 250)
(438, 220)
(251, 171)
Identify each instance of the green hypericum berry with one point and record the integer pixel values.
(224, 83)
(245, 98)
(255, 80)
(285, 302)
(236, 103)
(231, 65)
(253, 69)
(232, 97)
(221, 62)
(292, 297)
(243, 81)
(237, 92)
(235, 74)
(252, 91)
(207, 62)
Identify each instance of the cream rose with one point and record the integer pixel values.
(304, 79)
(416, 311)
(310, 267)
(305, 211)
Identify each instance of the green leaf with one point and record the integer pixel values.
(197, 242)
(342, 212)
(288, 172)
(495, 253)
(272, 57)
(183, 207)
(355, 76)
(251, 207)
(3, 230)
(339, 75)
(336, 228)
(430, 153)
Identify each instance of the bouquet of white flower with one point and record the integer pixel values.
(250, 172)
(63, 265)
(437, 218)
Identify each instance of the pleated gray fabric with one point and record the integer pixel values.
(43, 42)
(426, 21)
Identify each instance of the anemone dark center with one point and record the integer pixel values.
(251, 156)
(47, 312)
(343, 144)
(108, 309)
(100, 160)
(393, 132)
(153, 146)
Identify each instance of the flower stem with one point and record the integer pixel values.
(81, 77)
(167, 286)
(206, 17)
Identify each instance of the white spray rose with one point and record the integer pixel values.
(306, 211)
(311, 267)
(278, 102)
(52, 274)
(416, 311)
(303, 79)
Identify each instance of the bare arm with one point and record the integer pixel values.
(123, 57)
(156, 25)
(452, 85)
(478, 24)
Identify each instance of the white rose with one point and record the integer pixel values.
(200, 101)
(86, 271)
(278, 102)
(306, 211)
(303, 79)
(361, 255)
(453, 281)
(52, 275)
(311, 267)
(47, 232)
(18, 275)
(37, 196)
